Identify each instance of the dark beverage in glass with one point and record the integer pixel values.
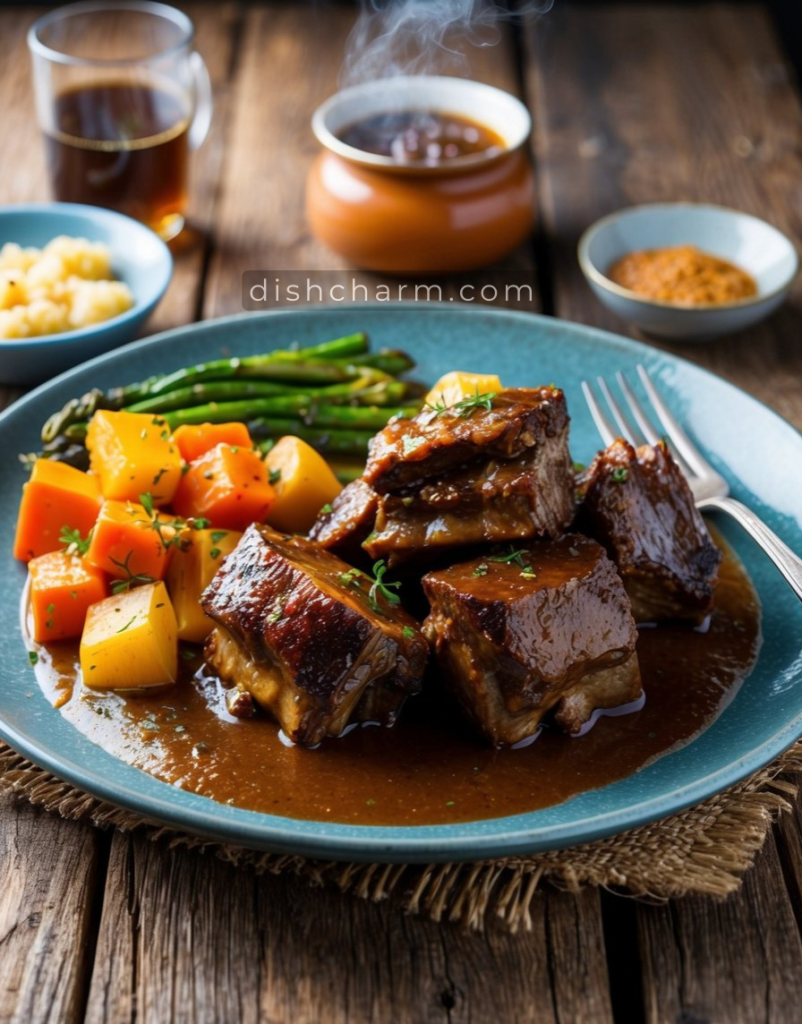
(122, 146)
(122, 99)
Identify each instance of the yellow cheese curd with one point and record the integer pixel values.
(66, 285)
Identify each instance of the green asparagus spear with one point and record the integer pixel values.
(326, 441)
(292, 365)
(372, 388)
(305, 407)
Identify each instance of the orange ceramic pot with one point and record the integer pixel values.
(406, 219)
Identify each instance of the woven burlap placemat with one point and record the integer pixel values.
(703, 849)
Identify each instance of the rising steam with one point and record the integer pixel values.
(414, 37)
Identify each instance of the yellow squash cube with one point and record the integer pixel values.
(191, 572)
(303, 482)
(458, 384)
(133, 453)
(130, 641)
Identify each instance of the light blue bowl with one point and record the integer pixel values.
(138, 257)
(751, 244)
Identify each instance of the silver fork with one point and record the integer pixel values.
(709, 488)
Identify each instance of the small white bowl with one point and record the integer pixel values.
(751, 244)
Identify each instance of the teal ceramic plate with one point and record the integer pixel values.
(755, 449)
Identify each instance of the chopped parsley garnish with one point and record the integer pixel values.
(408, 632)
(519, 557)
(214, 553)
(160, 474)
(73, 542)
(350, 578)
(218, 535)
(325, 509)
(146, 501)
(278, 609)
(130, 622)
(199, 524)
(33, 657)
(528, 573)
(50, 611)
(481, 569)
(619, 474)
(411, 444)
(273, 476)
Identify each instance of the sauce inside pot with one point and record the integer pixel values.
(430, 768)
(425, 137)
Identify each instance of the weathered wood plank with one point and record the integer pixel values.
(216, 27)
(185, 937)
(641, 103)
(705, 960)
(22, 159)
(51, 871)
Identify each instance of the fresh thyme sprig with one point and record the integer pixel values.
(466, 407)
(131, 579)
(378, 588)
(74, 543)
(519, 557)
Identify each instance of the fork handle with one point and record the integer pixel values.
(789, 564)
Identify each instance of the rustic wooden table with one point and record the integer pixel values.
(630, 104)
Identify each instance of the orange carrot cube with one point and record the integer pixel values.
(62, 589)
(56, 495)
(194, 441)
(129, 544)
(228, 485)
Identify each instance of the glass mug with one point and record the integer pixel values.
(122, 99)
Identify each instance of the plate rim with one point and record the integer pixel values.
(388, 843)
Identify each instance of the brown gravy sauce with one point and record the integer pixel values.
(424, 137)
(429, 769)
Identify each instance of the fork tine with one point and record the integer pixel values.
(636, 409)
(624, 426)
(603, 425)
(676, 434)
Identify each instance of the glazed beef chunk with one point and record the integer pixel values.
(408, 452)
(350, 521)
(638, 504)
(298, 630)
(451, 479)
(543, 628)
(490, 502)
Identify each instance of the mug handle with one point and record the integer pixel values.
(202, 120)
